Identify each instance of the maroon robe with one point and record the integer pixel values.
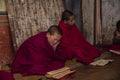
(6, 76)
(115, 47)
(36, 56)
(74, 45)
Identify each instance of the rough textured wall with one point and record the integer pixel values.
(28, 17)
(110, 15)
(88, 19)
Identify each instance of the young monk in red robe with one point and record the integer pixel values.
(116, 38)
(115, 46)
(38, 54)
(73, 43)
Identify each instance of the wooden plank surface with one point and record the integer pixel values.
(107, 72)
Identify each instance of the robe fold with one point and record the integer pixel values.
(74, 45)
(35, 56)
(6, 76)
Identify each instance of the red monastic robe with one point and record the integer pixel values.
(36, 56)
(74, 45)
(6, 76)
(115, 47)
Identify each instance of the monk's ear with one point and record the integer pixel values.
(48, 34)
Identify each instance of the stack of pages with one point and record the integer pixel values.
(101, 62)
(59, 73)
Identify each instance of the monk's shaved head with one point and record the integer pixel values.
(54, 29)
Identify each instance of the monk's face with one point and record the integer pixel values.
(71, 21)
(54, 39)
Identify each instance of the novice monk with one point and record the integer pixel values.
(73, 43)
(116, 38)
(38, 55)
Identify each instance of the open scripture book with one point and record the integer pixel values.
(59, 73)
(101, 62)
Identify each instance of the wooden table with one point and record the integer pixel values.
(110, 71)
